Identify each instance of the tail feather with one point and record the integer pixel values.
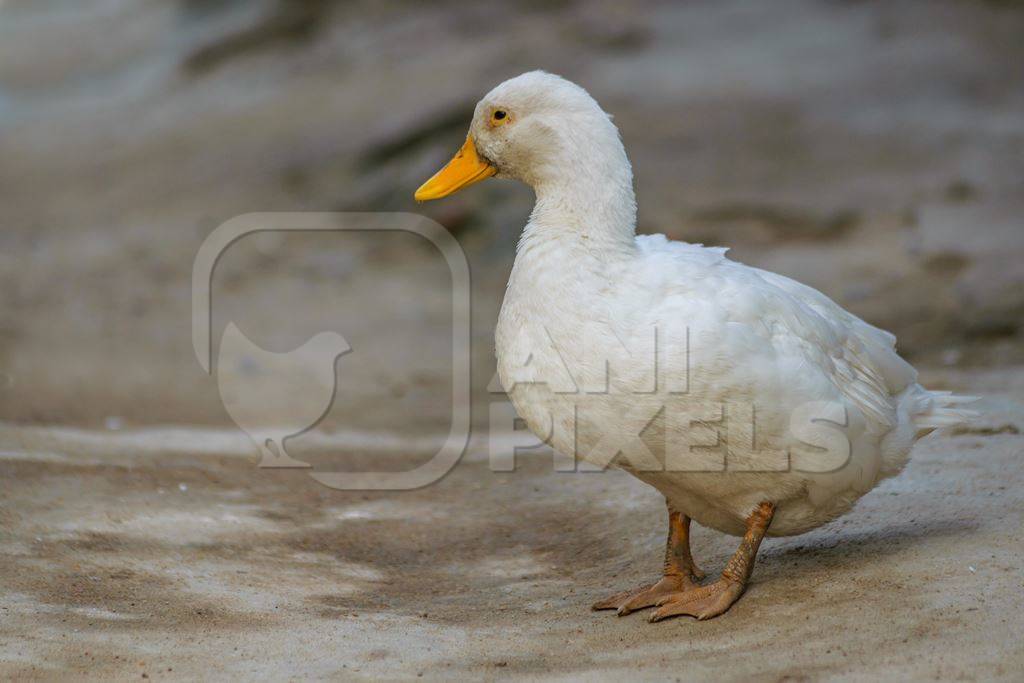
(938, 409)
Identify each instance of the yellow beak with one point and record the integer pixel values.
(462, 171)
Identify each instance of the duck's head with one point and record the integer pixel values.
(537, 128)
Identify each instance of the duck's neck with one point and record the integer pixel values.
(587, 200)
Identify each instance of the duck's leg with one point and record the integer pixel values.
(680, 572)
(714, 599)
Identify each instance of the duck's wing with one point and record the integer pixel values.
(861, 358)
(857, 358)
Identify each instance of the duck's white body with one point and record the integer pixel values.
(750, 342)
(737, 337)
(765, 392)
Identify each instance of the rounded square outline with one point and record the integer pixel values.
(224, 235)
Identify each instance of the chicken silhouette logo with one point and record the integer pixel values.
(273, 396)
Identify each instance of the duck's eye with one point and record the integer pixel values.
(500, 117)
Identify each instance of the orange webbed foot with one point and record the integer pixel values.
(646, 596)
(703, 602)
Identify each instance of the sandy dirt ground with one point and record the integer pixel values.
(872, 149)
(129, 555)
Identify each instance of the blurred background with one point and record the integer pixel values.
(874, 150)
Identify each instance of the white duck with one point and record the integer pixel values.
(754, 404)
